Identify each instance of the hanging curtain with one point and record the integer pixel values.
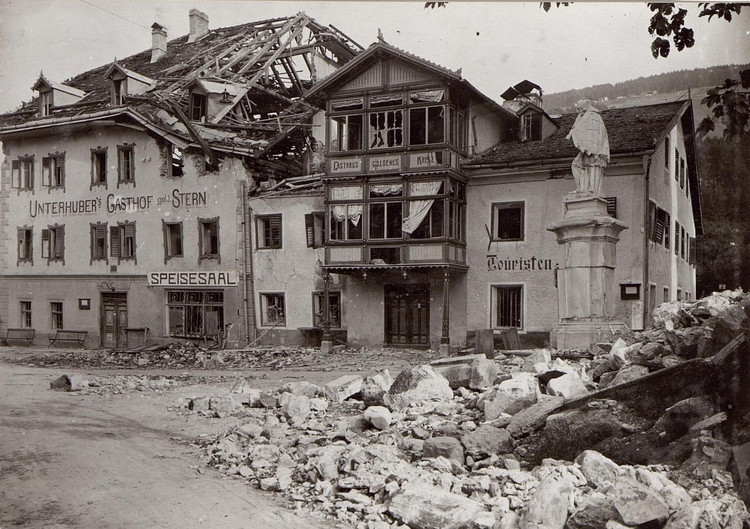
(339, 211)
(418, 209)
(387, 189)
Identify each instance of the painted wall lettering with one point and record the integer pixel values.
(64, 207)
(346, 165)
(495, 263)
(193, 279)
(117, 204)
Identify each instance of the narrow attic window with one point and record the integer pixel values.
(198, 103)
(531, 126)
(45, 103)
(177, 162)
(119, 89)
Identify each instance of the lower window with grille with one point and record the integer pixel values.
(507, 306)
(195, 313)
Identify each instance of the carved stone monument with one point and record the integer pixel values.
(588, 235)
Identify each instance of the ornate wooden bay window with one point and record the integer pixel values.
(397, 220)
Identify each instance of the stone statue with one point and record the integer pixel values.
(590, 137)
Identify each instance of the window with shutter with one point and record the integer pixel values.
(46, 178)
(652, 220)
(45, 243)
(309, 230)
(676, 164)
(682, 173)
(667, 227)
(127, 250)
(16, 172)
(269, 231)
(114, 241)
(98, 241)
(677, 238)
(693, 251)
(659, 227)
(59, 246)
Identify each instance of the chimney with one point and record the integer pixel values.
(198, 25)
(158, 42)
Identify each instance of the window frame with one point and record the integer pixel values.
(53, 170)
(494, 312)
(25, 239)
(198, 106)
(97, 228)
(22, 173)
(126, 164)
(98, 167)
(264, 300)
(169, 251)
(26, 315)
(52, 243)
(264, 226)
(205, 305)
(46, 102)
(413, 109)
(57, 312)
(318, 308)
(315, 229)
(495, 207)
(118, 233)
(119, 91)
(202, 222)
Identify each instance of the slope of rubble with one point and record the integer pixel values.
(469, 441)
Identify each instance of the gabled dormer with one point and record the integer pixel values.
(210, 100)
(525, 99)
(52, 94)
(125, 82)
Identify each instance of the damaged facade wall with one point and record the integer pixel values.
(77, 269)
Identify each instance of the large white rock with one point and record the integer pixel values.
(375, 386)
(482, 373)
(548, 507)
(302, 387)
(599, 470)
(343, 387)
(510, 396)
(297, 408)
(379, 416)
(539, 356)
(636, 503)
(415, 385)
(567, 386)
(426, 507)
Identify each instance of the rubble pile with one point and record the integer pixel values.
(682, 330)
(118, 384)
(442, 446)
(191, 356)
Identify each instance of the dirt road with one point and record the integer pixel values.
(85, 461)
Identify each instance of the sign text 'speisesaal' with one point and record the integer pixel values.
(193, 279)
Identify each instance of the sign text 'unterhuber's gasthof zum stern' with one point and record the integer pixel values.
(117, 204)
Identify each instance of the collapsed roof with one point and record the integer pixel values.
(257, 72)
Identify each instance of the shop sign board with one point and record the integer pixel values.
(385, 163)
(346, 165)
(198, 278)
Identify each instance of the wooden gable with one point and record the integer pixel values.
(386, 72)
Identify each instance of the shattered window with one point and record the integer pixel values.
(195, 313)
(198, 104)
(386, 129)
(334, 309)
(273, 310)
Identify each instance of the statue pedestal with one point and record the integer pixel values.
(585, 283)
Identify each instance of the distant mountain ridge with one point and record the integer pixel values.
(672, 82)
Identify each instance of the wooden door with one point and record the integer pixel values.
(407, 315)
(114, 321)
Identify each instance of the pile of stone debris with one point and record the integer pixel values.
(190, 355)
(118, 384)
(468, 442)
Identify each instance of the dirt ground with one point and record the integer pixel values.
(128, 460)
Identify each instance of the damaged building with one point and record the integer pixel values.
(276, 183)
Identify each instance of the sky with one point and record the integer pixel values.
(496, 44)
